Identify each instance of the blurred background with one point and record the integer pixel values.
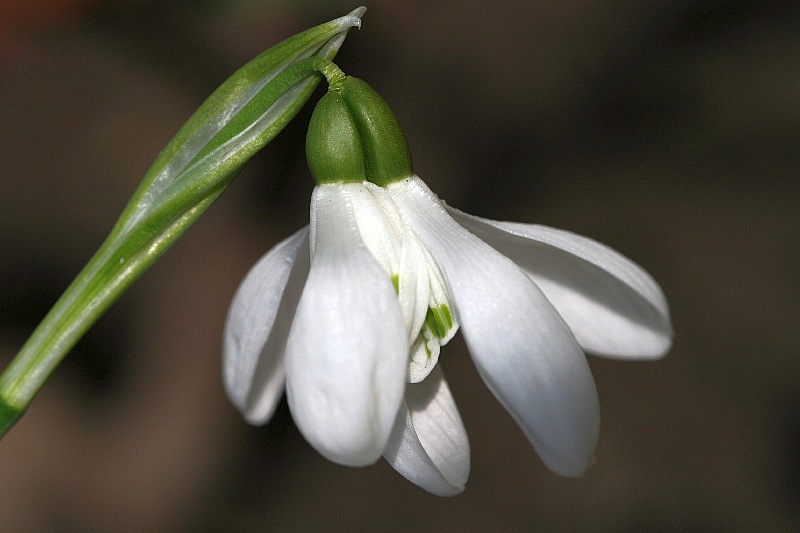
(669, 130)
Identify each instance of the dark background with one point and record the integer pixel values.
(668, 130)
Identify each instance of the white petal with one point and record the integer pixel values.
(413, 287)
(257, 326)
(612, 305)
(429, 445)
(375, 228)
(347, 352)
(522, 348)
(423, 355)
(440, 303)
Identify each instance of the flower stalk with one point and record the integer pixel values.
(236, 121)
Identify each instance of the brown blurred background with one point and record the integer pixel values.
(668, 130)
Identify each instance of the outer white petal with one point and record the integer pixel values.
(429, 445)
(347, 352)
(612, 305)
(257, 326)
(522, 348)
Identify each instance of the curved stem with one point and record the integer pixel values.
(153, 220)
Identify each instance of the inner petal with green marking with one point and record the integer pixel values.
(420, 287)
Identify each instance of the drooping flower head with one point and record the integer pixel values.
(350, 313)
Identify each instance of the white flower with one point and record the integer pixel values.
(350, 314)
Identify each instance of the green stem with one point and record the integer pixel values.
(148, 226)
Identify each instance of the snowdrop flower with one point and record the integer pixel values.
(349, 313)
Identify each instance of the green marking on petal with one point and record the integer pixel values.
(448, 316)
(436, 319)
(396, 283)
(430, 321)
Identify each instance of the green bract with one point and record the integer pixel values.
(353, 129)
(234, 123)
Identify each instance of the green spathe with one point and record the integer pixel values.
(234, 123)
